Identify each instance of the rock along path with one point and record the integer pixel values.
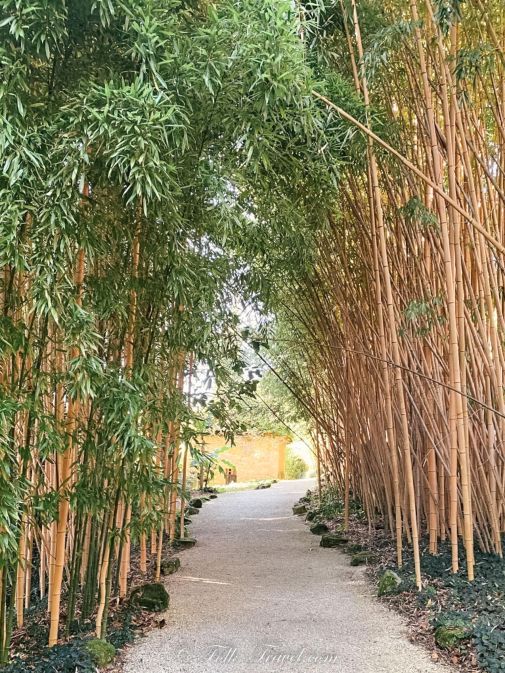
(258, 595)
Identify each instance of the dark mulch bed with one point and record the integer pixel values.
(445, 598)
(125, 622)
(29, 644)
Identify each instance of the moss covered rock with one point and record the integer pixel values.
(319, 528)
(101, 652)
(152, 596)
(191, 511)
(170, 565)
(185, 542)
(299, 509)
(312, 514)
(355, 548)
(213, 496)
(451, 629)
(333, 540)
(450, 636)
(390, 583)
(196, 502)
(361, 558)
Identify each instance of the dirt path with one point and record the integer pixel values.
(257, 594)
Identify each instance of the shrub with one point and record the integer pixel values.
(296, 467)
(331, 504)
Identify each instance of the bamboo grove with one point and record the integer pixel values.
(399, 330)
(164, 164)
(171, 167)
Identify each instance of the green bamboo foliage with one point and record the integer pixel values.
(163, 163)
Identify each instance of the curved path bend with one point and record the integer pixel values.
(258, 595)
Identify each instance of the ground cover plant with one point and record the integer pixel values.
(459, 621)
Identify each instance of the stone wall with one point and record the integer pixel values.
(253, 456)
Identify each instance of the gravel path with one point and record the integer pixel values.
(257, 594)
